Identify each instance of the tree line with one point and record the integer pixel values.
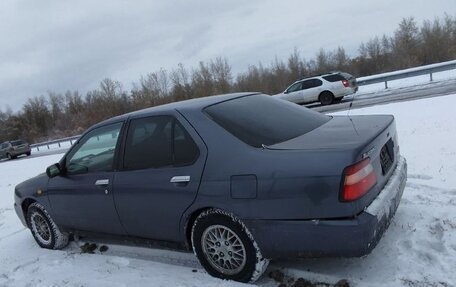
(57, 115)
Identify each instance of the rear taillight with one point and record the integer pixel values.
(359, 179)
(345, 83)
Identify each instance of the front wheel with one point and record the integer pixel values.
(225, 247)
(44, 230)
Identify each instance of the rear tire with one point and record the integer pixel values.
(43, 228)
(225, 247)
(28, 154)
(326, 98)
(8, 156)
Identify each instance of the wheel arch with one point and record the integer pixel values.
(25, 205)
(190, 220)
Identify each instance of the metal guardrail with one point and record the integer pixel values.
(58, 142)
(412, 72)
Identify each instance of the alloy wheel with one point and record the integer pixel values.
(223, 249)
(41, 228)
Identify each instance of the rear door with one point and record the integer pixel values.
(311, 89)
(159, 177)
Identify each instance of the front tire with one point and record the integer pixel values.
(225, 247)
(326, 98)
(43, 228)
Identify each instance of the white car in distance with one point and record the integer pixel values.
(326, 89)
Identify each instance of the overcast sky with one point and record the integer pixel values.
(60, 45)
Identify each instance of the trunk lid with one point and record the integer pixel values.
(358, 137)
(341, 132)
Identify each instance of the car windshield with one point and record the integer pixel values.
(16, 143)
(262, 120)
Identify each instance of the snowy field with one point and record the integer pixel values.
(419, 248)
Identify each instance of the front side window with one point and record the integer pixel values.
(158, 141)
(95, 151)
(295, 87)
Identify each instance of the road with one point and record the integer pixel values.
(436, 89)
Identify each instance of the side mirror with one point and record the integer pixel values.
(53, 170)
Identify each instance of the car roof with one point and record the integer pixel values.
(193, 104)
(12, 141)
(318, 76)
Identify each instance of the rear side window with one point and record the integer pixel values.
(159, 141)
(334, 78)
(18, 142)
(347, 76)
(262, 120)
(312, 83)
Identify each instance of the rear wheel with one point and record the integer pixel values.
(43, 228)
(28, 154)
(225, 248)
(8, 156)
(326, 98)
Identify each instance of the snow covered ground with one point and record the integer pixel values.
(419, 248)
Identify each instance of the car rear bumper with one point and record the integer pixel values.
(21, 151)
(352, 237)
(346, 92)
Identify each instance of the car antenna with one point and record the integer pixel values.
(348, 113)
(351, 104)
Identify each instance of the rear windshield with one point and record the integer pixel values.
(262, 120)
(334, 78)
(347, 76)
(16, 143)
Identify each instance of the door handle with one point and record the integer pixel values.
(102, 182)
(180, 179)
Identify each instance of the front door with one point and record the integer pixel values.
(311, 90)
(81, 198)
(294, 93)
(159, 178)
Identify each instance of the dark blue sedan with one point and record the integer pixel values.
(239, 179)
